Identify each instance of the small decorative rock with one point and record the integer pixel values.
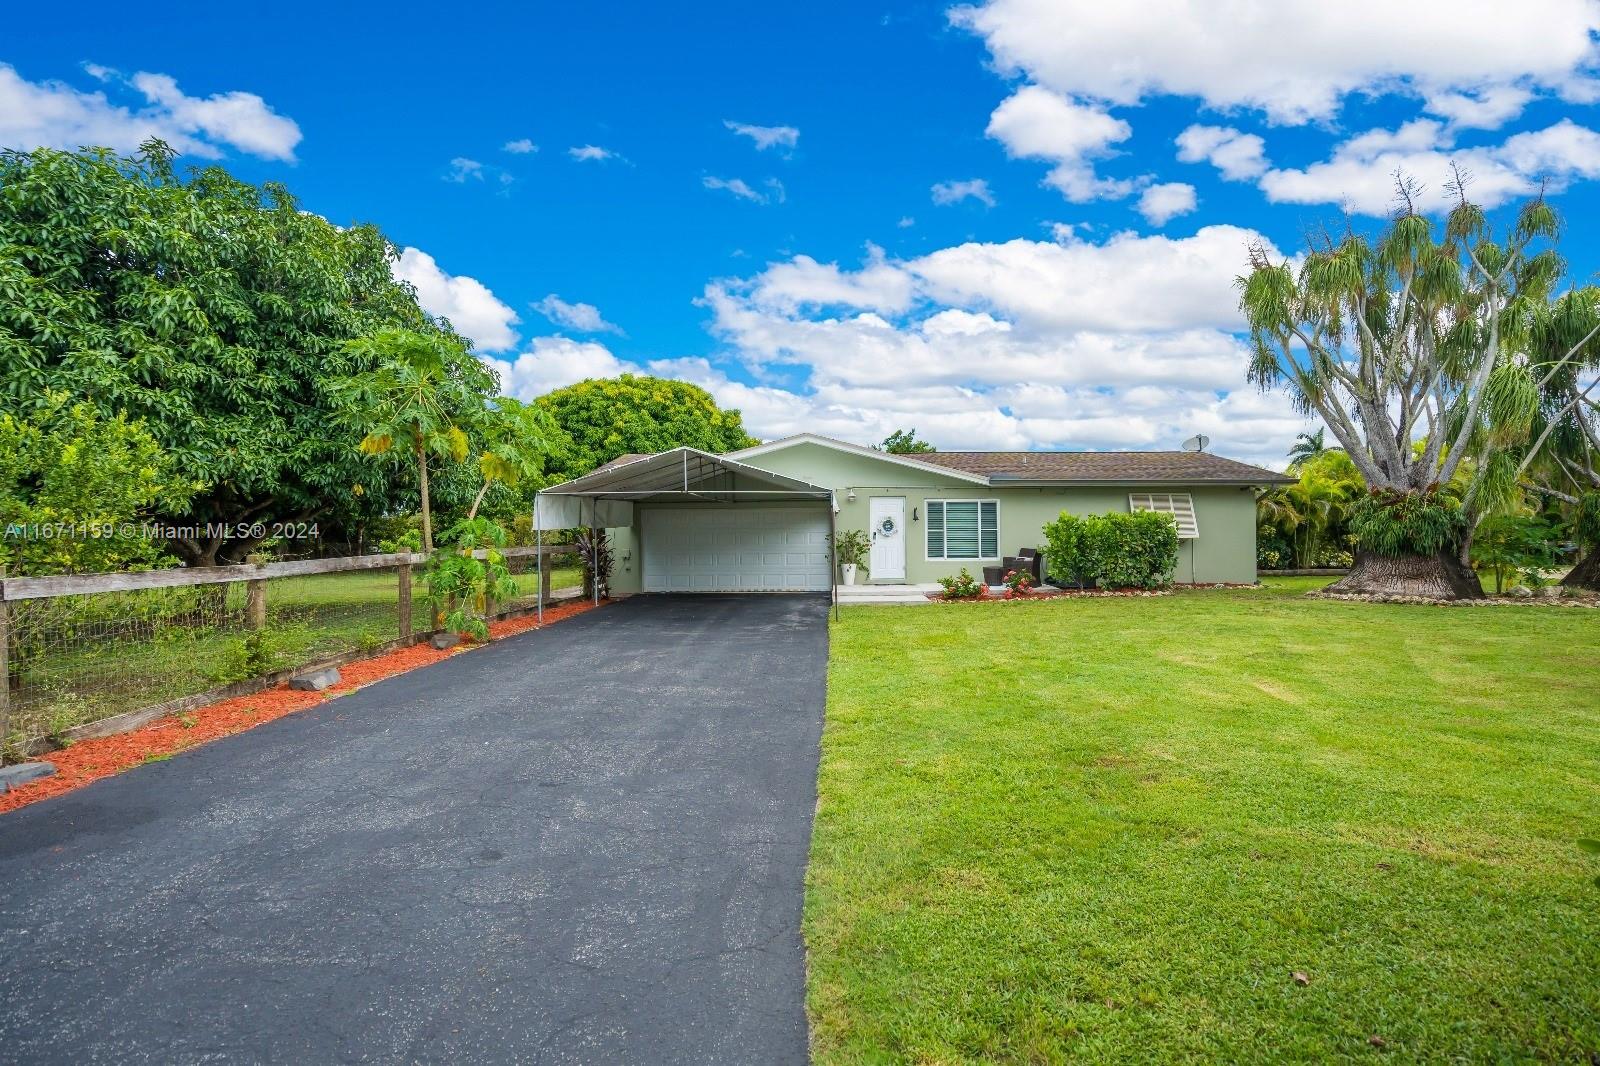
(1522, 592)
(23, 772)
(316, 680)
(444, 641)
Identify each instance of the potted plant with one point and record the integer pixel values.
(851, 546)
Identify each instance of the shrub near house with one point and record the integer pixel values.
(1137, 550)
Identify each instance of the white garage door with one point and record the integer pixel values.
(741, 548)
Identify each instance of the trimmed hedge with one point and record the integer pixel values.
(1118, 551)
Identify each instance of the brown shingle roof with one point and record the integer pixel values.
(1174, 467)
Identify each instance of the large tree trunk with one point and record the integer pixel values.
(1432, 577)
(1586, 575)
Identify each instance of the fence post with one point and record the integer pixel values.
(255, 597)
(404, 570)
(544, 576)
(5, 669)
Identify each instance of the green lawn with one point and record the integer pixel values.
(1114, 829)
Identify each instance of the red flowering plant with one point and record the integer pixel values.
(962, 587)
(1018, 583)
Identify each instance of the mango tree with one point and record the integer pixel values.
(211, 310)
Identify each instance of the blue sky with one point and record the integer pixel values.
(1010, 225)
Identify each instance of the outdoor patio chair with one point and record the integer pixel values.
(1027, 560)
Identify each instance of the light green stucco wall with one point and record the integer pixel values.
(625, 577)
(1225, 551)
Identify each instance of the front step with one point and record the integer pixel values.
(906, 594)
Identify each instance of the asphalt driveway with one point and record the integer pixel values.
(582, 844)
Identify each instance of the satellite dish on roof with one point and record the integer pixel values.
(1196, 443)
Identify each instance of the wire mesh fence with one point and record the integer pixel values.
(79, 658)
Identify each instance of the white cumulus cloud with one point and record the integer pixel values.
(1360, 173)
(765, 137)
(1294, 60)
(743, 190)
(474, 311)
(1035, 123)
(585, 318)
(462, 168)
(1160, 204)
(1126, 342)
(1239, 156)
(554, 363)
(53, 114)
(953, 192)
(521, 146)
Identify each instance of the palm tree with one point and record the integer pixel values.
(1307, 446)
(423, 389)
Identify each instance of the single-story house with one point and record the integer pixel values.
(759, 520)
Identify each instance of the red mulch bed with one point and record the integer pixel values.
(90, 760)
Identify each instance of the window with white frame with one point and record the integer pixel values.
(963, 529)
(1180, 505)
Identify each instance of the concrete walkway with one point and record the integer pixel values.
(583, 844)
(910, 595)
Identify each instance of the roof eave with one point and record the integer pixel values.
(868, 453)
(1004, 481)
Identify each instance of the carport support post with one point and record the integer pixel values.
(833, 555)
(5, 668)
(594, 549)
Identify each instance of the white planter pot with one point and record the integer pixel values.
(849, 573)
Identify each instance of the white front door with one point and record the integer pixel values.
(887, 516)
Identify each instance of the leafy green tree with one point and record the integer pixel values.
(905, 442)
(518, 437)
(214, 312)
(608, 417)
(1413, 348)
(75, 487)
(1312, 515)
(1509, 545)
(1307, 446)
(1562, 463)
(424, 393)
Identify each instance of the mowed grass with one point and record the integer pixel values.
(1115, 829)
(89, 671)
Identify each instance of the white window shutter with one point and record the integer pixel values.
(1180, 505)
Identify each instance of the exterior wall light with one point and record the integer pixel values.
(850, 495)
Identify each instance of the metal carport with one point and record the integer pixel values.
(609, 497)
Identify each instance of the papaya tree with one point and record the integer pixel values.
(422, 397)
(1414, 348)
(517, 439)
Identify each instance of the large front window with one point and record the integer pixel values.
(963, 529)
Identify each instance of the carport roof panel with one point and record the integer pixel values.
(683, 471)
